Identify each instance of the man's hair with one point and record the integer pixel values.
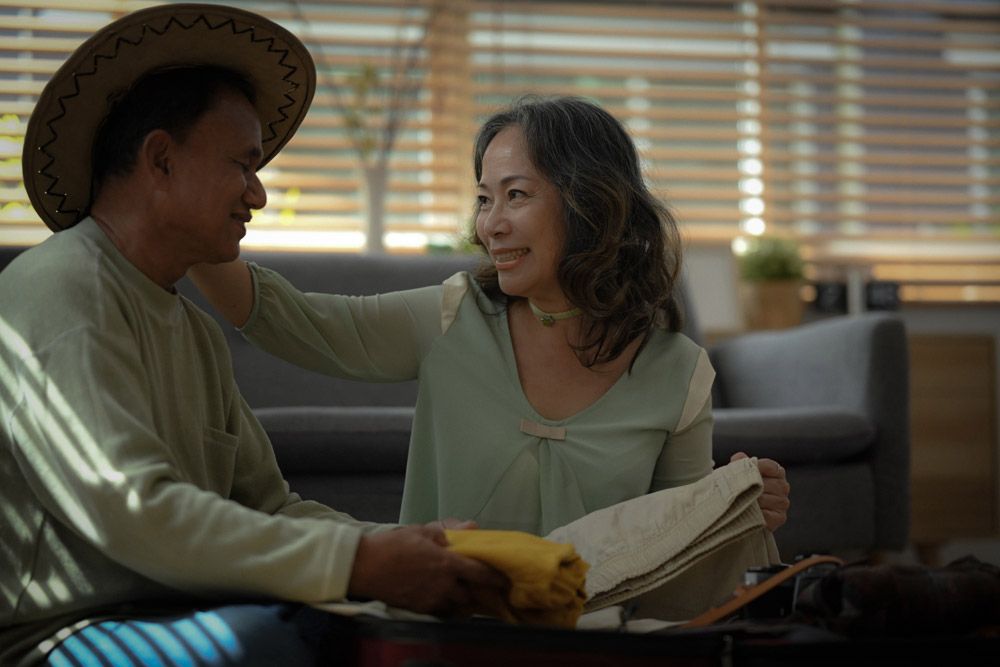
(622, 254)
(170, 99)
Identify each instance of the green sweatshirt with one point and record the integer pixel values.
(131, 470)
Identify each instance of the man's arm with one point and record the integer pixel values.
(114, 487)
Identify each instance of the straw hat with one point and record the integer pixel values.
(61, 131)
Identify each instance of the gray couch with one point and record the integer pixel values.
(829, 400)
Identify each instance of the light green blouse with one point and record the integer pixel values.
(478, 449)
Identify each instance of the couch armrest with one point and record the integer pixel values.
(845, 361)
(794, 436)
(859, 364)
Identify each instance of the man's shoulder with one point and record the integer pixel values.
(198, 316)
(44, 296)
(56, 267)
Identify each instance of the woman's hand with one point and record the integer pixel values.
(773, 501)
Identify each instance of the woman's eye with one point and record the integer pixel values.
(515, 194)
(482, 202)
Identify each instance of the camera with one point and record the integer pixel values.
(779, 602)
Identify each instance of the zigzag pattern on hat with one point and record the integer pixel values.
(119, 42)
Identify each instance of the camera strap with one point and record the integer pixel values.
(744, 595)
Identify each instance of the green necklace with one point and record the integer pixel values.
(548, 319)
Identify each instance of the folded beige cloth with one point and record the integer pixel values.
(547, 578)
(666, 556)
(678, 552)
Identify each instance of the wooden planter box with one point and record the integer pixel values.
(771, 304)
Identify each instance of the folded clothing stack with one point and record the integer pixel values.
(675, 553)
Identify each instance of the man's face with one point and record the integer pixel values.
(215, 185)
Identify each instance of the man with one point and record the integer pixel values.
(143, 513)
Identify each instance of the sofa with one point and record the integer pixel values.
(828, 399)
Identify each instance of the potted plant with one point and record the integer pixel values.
(771, 278)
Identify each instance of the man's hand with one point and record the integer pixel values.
(412, 568)
(773, 501)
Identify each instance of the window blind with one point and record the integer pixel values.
(868, 130)
(880, 129)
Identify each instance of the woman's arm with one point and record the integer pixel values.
(228, 287)
(687, 453)
(380, 338)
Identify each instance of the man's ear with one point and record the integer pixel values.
(156, 155)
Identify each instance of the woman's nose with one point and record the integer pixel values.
(495, 221)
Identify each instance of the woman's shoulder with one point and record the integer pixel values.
(668, 353)
(462, 285)
(675, 342)
(675, 364)
(461, 291)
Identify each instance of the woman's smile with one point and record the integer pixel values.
(508, 259)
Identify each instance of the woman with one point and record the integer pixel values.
(555, 381)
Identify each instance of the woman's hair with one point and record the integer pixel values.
(622, 253)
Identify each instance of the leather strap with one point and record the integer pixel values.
(746, 594)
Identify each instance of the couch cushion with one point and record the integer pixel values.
(365, 496)
(339, 440)
(791, 436)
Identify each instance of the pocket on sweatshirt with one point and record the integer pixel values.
(219, 454)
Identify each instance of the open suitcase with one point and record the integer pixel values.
(374, 642)
(760, 626)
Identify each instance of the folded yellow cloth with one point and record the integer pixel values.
(546, 578)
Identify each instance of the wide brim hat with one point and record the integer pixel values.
(59, 139)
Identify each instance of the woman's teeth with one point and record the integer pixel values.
(509, 256)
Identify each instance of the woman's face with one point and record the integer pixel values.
(520, 221)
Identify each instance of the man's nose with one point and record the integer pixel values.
(256, 195)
